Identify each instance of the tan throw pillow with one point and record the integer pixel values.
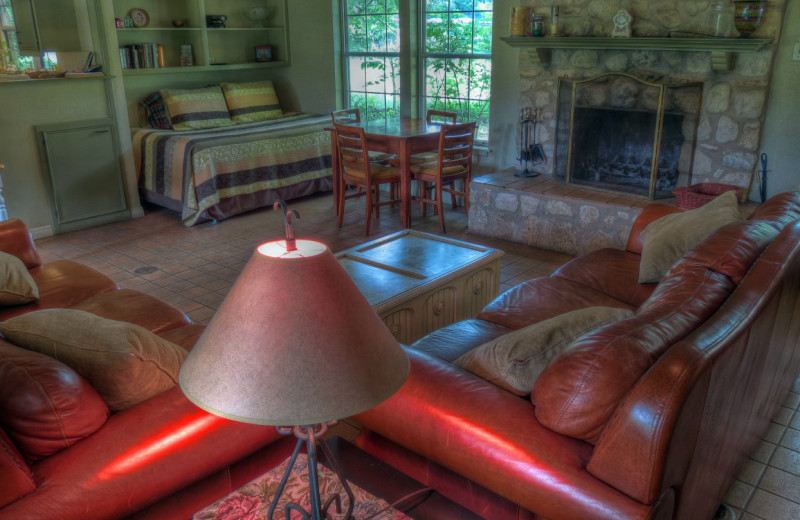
(251, 102)
(124, 362)
(16, 283)
(667, 239)
(196, 108)
(514, 360)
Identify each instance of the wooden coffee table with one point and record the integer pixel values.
(419, 282)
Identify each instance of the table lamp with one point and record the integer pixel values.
(294, 345)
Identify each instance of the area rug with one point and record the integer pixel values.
(252, 501)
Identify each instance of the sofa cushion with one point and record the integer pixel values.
(16, 284)
(17, 477)
(514, 361)
(452, 341)
(579, 390)
(779, 210)
(251, 102)
(543, 298)
(125, 363)
(649, 214)
(192, 109)
(667, 239)
(62, 283)
(135, 307)
(611, 271)
(44, 405)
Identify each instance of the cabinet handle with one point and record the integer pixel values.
(477, 287)
(438, 308)
(103, 131)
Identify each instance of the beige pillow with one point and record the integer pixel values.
(124, 362)
(16, 283)
(514, 360)
(196, 108)
(667, 239)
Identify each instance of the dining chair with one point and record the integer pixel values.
(433, 117)
(358, 170)
(351, 116)
(454, 162)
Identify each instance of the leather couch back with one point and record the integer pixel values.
(579, 390)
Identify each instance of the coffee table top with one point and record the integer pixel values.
(407, 262)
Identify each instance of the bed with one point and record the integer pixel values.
(216, 173)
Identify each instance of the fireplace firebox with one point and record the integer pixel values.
(622, 133)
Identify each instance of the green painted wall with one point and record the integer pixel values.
(780, 138)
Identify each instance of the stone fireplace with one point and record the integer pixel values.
(734, 85)
(622, 133)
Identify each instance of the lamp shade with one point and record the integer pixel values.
(293, 343)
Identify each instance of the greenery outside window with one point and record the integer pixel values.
(454, 57)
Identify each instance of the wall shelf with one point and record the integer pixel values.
(722, 50)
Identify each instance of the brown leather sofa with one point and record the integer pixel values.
(651, 417)
(163, 458)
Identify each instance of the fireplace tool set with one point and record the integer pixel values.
(530, 151)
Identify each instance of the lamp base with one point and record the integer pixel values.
(310, 436)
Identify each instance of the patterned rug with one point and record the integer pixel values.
(252, 501)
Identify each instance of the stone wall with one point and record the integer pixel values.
(734, 102)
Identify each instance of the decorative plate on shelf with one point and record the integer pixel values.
(140, 17)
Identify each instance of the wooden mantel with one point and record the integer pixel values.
(722, 50)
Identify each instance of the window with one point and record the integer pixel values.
(11, 60)
(373, 57)
(457, 58)
(454, 57)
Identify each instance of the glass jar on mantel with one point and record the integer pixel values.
(720, 19)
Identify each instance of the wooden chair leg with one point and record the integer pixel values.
(342, 197)
(439, 206)
(368, 213)
(375, 205)
(422, 192)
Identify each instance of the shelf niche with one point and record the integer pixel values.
(723, 50)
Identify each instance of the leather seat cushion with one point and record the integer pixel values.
(62, 283)
(610, 271)
(543, 298)
(45, 406)
(135, 307)
(17, 477)
(451, 342)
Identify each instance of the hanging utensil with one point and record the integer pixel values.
(762, 178)
(536, 151)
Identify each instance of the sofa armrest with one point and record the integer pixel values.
(492, 437)
(16, 240)
(138, 457)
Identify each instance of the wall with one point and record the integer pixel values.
(782, 126)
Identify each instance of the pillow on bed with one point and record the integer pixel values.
(193, 109)
(154, 112)
(251, 102)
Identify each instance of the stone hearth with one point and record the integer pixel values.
(543, 212)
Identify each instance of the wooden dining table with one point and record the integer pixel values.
(400, 137)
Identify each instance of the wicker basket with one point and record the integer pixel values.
(694, 196)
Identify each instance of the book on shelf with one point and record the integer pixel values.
(139, 56)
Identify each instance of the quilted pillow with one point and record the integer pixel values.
(154, 112)
(251, 102)
(16, 284)
(667, 239)
(514, 360)
(197, 108)
(125, 363)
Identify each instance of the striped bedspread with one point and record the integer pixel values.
(216, 173)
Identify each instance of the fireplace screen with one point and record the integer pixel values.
(621, 133)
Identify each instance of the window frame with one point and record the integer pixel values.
(412, 56)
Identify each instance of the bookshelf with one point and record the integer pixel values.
(217, 48)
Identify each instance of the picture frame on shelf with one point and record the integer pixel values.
(264, 53)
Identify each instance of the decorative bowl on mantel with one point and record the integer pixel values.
(748, 16)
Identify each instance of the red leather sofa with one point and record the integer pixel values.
(163, 458)
(651, 417)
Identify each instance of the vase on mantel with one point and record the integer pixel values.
(748, 16)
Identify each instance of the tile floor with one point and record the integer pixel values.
(193, 268)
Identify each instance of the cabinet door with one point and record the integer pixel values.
(85, 177)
